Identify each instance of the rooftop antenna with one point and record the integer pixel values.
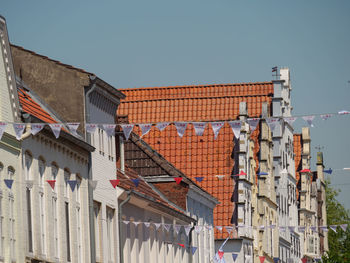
(319, 148)
(276, 75)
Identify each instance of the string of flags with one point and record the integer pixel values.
(181, 127)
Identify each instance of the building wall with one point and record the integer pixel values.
(42, 156)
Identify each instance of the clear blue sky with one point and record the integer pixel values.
(160, 42)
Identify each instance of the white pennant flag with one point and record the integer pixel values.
(157, 225)
(2, 128)
(126, 222)
(90, 127)
(236, 128)
(209, 227)
(301, 229)
(199, 127)
(272, 226)
(271, 122)
(19, 129)
(136, 223)
(216, 126)
(334, 228)
(326, 116)
(73, 127)
(324, 228)
(343, 112)
(167, 227)
(309, 119)
(177, 229)
(147, 224)
(127, 129)
(56, 129)
(198, 229)
(29, 184)
(219, 228)
(145, 128)
(181, 128)
(262, 227)
(253, 123)
(282, 228)
(162, 125)
(109, 129)
(187, 230)
(229, 229)
(36, 127)
(290, 120)
(344, 227)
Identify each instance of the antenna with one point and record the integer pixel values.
(319, 148)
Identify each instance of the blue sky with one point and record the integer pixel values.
(160, 42)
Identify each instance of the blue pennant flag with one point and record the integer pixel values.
(194, 249)
(8, 183)
(72, 184)
(263, 173)
(276, 260)
(329, 171)
(199, 179)
(136, 182)
(234, 256)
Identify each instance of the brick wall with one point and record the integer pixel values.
(176, 193)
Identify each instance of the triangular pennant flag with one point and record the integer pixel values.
(290, 120)
(221, 254)
(157, 225)
(73, 127)
(334, 228)
(181, 245)
(262, 227)
(271, 122)
(198, 229)
(313, 228)
(344, 227)
(177, 229)
(262, 173)
(147, 224)
(136, 182)
(52, 183)
(291, 228)
(305, 171)
(272, 226)
(8, 183)
(181, 128)
(29, 184)
(178, 180)
(126, 222)
(145, 128)
(234, 256)
(199, 179)
(242, 173)
(72, 184)
(187, 229)
(219, 228)
(2, 128)
(167, 227)
(194, 249)
(162, 125)
(343, 112)
(36, 127)
(262, 259)
(326, 116)
(19, 129)
(109, 129)
(216, 126)
(127, 129)
(220, 176)
(199, 127)
(209, 227)
(304, 260)
(136, 223)
(236, 128)
(93, 184)
(114, 182)
(56, 129)
(253, 123)
(318, 259)
(90, 127)
(309, 119)
(324, 228)
(275, 260)
(329, 171)
(301, 229)
(282, 228)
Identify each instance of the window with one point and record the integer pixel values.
(66, 179)
(12, 228)
(55, 225)
(98, 231)
(79, 252)
(42, 167)
(66, 204)
(42, 209)
(101, 141)
(78, 190)
(110, 233)
(54, 172)
(1, 222)
(28, 175)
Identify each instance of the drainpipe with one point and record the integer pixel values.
(190, 259)
(122, 155)
(120, 225)
(28, 132)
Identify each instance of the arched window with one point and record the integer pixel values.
(42, 168)
(67, 175)
(28, 159)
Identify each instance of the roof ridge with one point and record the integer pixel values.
(200, 85)
(50, 59)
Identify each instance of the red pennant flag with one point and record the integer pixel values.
(181, 245)
(178, 180)
(114, 182)
(262, 259)
(52, 183)
(242, 173)
(221, 254)
(305, 171)
(304, 260)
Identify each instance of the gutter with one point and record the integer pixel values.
(121, 254)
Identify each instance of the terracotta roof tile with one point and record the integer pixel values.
(198, 155)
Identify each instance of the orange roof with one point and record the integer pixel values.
(297, 146)
(33, 108)
(197, 155)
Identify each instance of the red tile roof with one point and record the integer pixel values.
(198, 155)
(297, 146)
